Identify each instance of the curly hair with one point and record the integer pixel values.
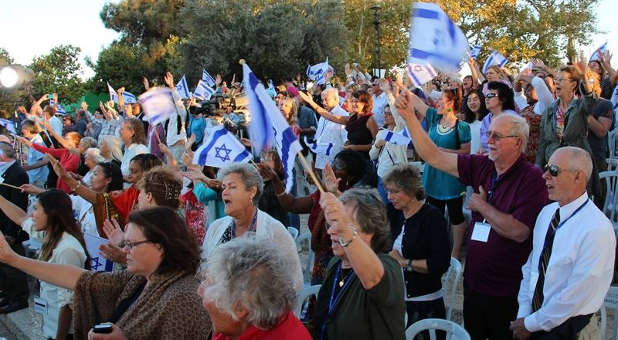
(164, 186)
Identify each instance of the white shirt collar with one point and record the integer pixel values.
(569, 208)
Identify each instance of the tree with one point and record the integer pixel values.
(278, 39)
(58, 72)
(5, 58)
(8, 97)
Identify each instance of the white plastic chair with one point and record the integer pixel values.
(612, 140)
(611, 302)
(308, 267)
(294, 232)
(451, 280)
(453, 330)
(304, 294)
(610, 207)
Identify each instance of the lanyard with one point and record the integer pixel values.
(334, 300)
(493, 183)
(251, 225)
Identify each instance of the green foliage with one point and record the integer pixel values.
(120, 65)
(278, 39)
(58, 72)
(5, 58)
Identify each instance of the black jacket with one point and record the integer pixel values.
(14, 175)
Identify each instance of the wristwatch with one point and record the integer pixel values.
(345, 243)
(409, 266)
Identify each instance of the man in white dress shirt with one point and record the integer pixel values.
(570, 268)
(330, 132)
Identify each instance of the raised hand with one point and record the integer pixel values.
(168, 79)
(266, 171)
(31, 189)
(331, 182)
(218, 80)
(113, 232)
(306, 97)
(113, 253)
(6, 253)
(146, 83)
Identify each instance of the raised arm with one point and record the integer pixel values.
(298, 205)
(76, 185)
(64, 276)
(428, 151)
(323, 112)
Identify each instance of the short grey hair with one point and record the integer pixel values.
(519, 128)
(249, 175)
(88, 142)
(370, 214)
(331, 91)
(95, 154)
(579, 159)
(251, 271)
(408, 179)
(7, 150)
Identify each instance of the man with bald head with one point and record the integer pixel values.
(509, 195)
(571, 265)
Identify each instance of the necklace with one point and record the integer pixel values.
(342, 281)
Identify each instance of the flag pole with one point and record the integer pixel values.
(311, 173)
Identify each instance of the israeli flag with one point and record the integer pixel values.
(60, 110)
(317, 72)
(99, 263)
(203, 91)
(435, 39)
(420, 74)
(208, 78)
(128, 98)
(268, 126)
(182, 88)
(322, 148)
(221, 148)
(9, 125)
(112, 93)
(476, 50)
(495, 58)
(158, 104)
(595, 55)
(398, 138)
(615, 99)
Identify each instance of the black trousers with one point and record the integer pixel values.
(488, 317)
(14, 282)
(568, 330)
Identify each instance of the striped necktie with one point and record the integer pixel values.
(537, 298)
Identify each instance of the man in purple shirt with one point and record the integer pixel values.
(510, 192)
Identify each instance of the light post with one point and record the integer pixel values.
(376, 50)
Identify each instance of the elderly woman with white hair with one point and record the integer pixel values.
(249, 293)
(92, 157)
(111, 148)
(242, 187)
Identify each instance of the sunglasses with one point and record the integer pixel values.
(490, 95)
(553, 170)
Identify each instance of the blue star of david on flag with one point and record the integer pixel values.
(220, 149)
(226, 151)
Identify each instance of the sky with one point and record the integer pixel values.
(33, 27)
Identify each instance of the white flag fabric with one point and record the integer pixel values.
(208, 78)
(221, 148)
(182, 88)
(317, 72)
(398, 138)
(99, 263)
(112, 93)
(435, 39)
(60, 109)
(615, 99)
(158, 104)
(321, 148)
(476, 50)
(203, 91)
(595, 55)
(269, 127)
(420, 74)
(128, 97)
(495, 58)
(9, 125)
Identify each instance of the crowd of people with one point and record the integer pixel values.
(202, 252)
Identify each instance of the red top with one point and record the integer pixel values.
(68, 160)
(289, 328)
(126, 201)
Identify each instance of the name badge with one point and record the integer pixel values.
(40, 305)
(481, 232)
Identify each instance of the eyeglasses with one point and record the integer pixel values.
(554, 170)
(393, 191)
(131, 245)
(490, 95)
(561, 79)
(496, 136)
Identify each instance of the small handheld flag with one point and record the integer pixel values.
(221, 148)
(495, 58)
(317, 72)
(158, 104)
(208, 78)
(420, 74)
(595, 56)
(182, 88)
(203, 91)
(476, 50)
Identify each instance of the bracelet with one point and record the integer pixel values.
(409, 266)
(281, 193)
(79, 184)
